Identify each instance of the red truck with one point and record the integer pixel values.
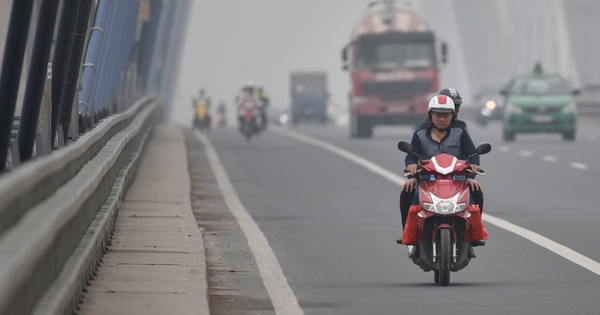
(393, 67)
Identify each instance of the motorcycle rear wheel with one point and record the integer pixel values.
(445, 250)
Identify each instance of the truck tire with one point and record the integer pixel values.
(568, 135)
(353, 126)
(365, 128)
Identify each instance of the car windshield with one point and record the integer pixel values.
(539, 86)
(389, 54)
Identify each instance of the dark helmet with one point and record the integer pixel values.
(453, 94)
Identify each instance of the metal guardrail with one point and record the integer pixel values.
(57, 212)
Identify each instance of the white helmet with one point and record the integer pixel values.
(441, 104)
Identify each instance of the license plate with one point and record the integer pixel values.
(542, 119)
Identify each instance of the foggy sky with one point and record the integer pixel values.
(231, 42)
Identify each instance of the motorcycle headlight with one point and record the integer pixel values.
(490, 105)
(513, 109)
(570, 109)
(445, 206)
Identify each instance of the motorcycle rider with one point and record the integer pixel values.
(222, 113)
(201, 105)
(474, 186)
(263, 97)
(442, 135)
(247, 100)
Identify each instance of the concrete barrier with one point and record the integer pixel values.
(60, 210)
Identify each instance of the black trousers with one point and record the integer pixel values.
(407, 197)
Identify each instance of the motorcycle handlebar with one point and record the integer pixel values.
(481, 172)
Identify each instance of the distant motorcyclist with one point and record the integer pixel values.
(247, 101)
(222, 108)
(263, 97)
(201, 105)
(222, 113)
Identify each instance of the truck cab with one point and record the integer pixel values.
(393, 68)
(309, 96)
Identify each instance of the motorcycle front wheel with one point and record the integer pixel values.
(442, 275)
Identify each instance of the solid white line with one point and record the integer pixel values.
(282, 296)
(547, 243)
(580, 166)
(392, 177)
(549, 158)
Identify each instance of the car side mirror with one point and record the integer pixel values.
(576, 92)
(345, 58)
(444, 53)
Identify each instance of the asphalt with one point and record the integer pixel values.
(332, 226)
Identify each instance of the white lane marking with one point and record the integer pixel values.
(503, 148)
(547, 243)
(580, 166)
(282, 296)
(392, 177)
(525, 153)
(549, 158)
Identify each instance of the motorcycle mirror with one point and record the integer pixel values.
(484, 148)
(405, 147)
(444, 53)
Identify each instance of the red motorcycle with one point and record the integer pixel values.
(248, 122)
(443, 226)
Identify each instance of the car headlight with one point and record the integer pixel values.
(513, 109)
(444, 206)
(491, 105)
(570, 109)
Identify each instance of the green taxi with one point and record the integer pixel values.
(539, 102)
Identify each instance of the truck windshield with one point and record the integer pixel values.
(394, 54)
(539, 86)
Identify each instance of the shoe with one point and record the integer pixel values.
(413, 252)
(472, 252)
(478, 243)
(399, 240)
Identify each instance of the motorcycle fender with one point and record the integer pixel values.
(444, 226)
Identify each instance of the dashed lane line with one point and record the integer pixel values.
(536, 238)
(525, 153)
(549, 158)
(282, 296)
(580, 166)
(546, 158)
(503, 148)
